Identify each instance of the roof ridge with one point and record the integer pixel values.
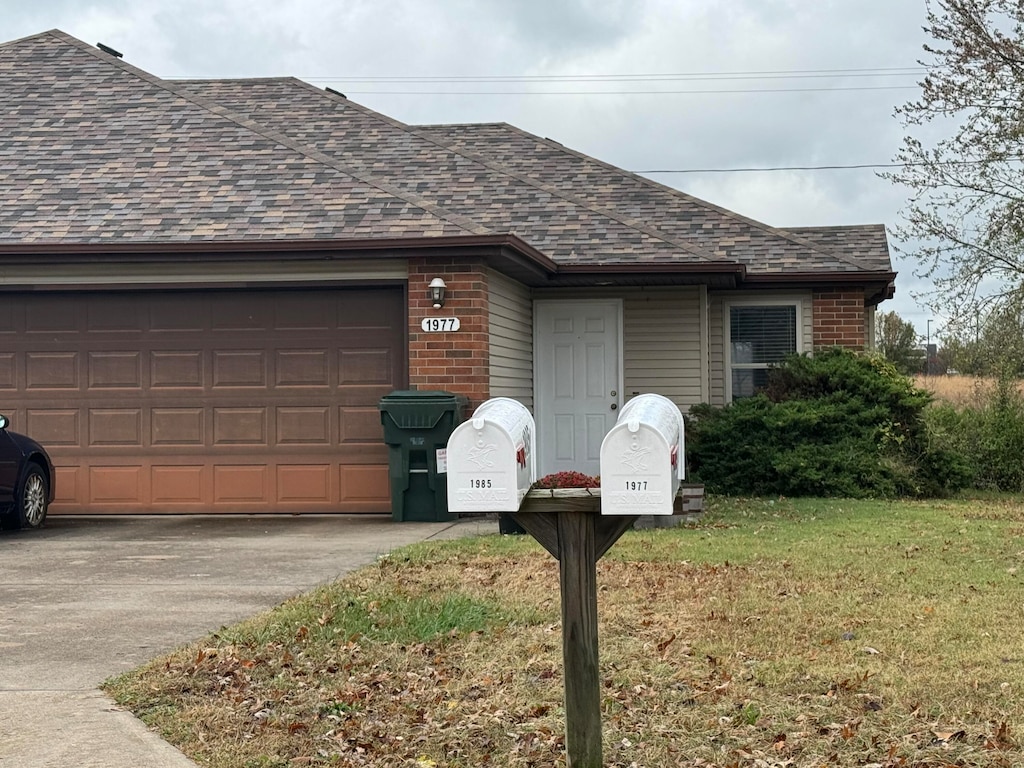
(499, 168)
(704, 203)
(47, 33)
(269, 79)
(257, 128)
(874, 225)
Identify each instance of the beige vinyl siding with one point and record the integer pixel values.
(662, 349)
(511, 324)
(718, 304)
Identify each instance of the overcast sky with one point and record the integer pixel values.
(568, 70)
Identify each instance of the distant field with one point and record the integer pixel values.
(959, 390)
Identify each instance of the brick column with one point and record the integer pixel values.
(456, 361)
(839, 319)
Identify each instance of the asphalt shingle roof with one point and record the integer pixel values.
(95, 150)
(717, 230)
(553, 221)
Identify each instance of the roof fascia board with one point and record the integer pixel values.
(507, 247)
(823, 277)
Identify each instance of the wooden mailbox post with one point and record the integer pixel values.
(568, 524)
(490, 468)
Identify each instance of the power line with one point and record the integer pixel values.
(634, 93)
(853, 166)
(780, 168)
(781, 74)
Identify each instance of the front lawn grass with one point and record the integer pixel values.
(773, 633)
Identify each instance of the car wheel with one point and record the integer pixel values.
(32, 500)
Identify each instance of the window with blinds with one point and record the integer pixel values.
(758, 336)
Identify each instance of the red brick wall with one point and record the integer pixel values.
(839, 319)
(456, 361)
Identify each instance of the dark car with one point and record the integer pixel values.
(26, 480)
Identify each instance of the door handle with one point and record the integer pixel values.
(615, 406)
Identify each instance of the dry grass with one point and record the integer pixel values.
(960, 390)
(775, 633)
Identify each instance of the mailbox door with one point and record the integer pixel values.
(482, 470)
(637, 476)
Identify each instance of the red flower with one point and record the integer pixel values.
(568, 480)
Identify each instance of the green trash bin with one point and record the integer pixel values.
(416, 425)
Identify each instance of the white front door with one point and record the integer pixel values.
(578, 381)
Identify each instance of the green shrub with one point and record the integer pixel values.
(989, 437)
(836, 424)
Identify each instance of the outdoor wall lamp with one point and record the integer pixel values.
(436, 292)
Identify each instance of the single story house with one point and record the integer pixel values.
(207, 286)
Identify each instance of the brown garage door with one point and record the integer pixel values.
(220, 401)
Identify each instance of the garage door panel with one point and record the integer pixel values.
(217, 401)
(116, 485)
(68, 486)
(7, 318)
(177, 426)
(364, 485)
(51, 315)
(8, 371)
(54, 426)
(175, 485)
(303, 425)
(245, 368)
(115, 427)
(242, 312)
(116, 314)
(365, 366)
(51, 370)
(240, 426)
(304, 483)
(115, 370)
(177, 369)
(240, 483)
(359, 426)
(365, 311)
(310, 313)
(180, 314)
(302, 368)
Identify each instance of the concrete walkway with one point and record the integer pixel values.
(87, 598)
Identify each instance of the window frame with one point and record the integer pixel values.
(797, 302)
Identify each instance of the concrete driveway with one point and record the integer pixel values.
(89, 597)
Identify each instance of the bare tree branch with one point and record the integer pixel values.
(964, 222)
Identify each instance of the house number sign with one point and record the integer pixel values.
(440, 324)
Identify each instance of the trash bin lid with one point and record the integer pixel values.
(425, 396)
(420, 409)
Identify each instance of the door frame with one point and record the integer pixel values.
(541, 401)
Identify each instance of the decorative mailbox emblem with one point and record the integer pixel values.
(491, 458)
(641, 466)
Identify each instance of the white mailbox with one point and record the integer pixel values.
(491, 458)
(642, 458)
